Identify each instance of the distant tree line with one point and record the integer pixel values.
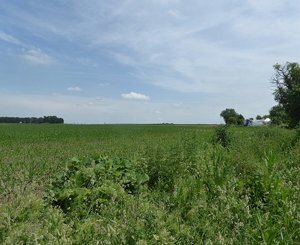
(45, 119)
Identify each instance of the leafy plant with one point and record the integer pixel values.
(86, 185)
(222, 136)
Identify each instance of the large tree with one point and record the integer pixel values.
(230, 116)
(287, 92)
(278, 115)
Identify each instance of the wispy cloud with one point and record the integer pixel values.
(135, 96)
(173, 13)
(36, 56)
(218, 52)
(75, 89)
(209, 47)
(8, 38)
(104, 84)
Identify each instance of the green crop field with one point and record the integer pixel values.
(149, 184)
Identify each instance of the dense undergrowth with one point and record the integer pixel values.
(149, 185)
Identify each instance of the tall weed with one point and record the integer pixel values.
(222, 136)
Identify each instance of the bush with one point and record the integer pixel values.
(222, 136)
(87, 185)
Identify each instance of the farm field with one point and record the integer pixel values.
(149, 184)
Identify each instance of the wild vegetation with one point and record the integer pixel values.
(149, 184)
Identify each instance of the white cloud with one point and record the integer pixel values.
(8, 38)
(135, 96)
(75, 89)
(36, 56)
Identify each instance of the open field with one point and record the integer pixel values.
(149, 184)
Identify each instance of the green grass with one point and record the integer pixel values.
(149, 184)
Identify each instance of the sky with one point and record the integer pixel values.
(143, 61)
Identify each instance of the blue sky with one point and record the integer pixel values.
(143, 61)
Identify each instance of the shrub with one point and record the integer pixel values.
(222, 136)
(87, 185)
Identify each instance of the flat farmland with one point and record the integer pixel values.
(149, 184)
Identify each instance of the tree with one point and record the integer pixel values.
(45, 119)
(230, 116)
(258, 117)
(278, 115)
(287, 92)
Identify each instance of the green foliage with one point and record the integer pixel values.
(297, 130)
(149, 184)
(258, 117)
(85, 186)
(287, 92)
(230, 116)
(222, 136)
(278, 115)
(296, 138)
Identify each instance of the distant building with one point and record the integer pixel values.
(262, 122)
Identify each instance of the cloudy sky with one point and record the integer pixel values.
(143, 61)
